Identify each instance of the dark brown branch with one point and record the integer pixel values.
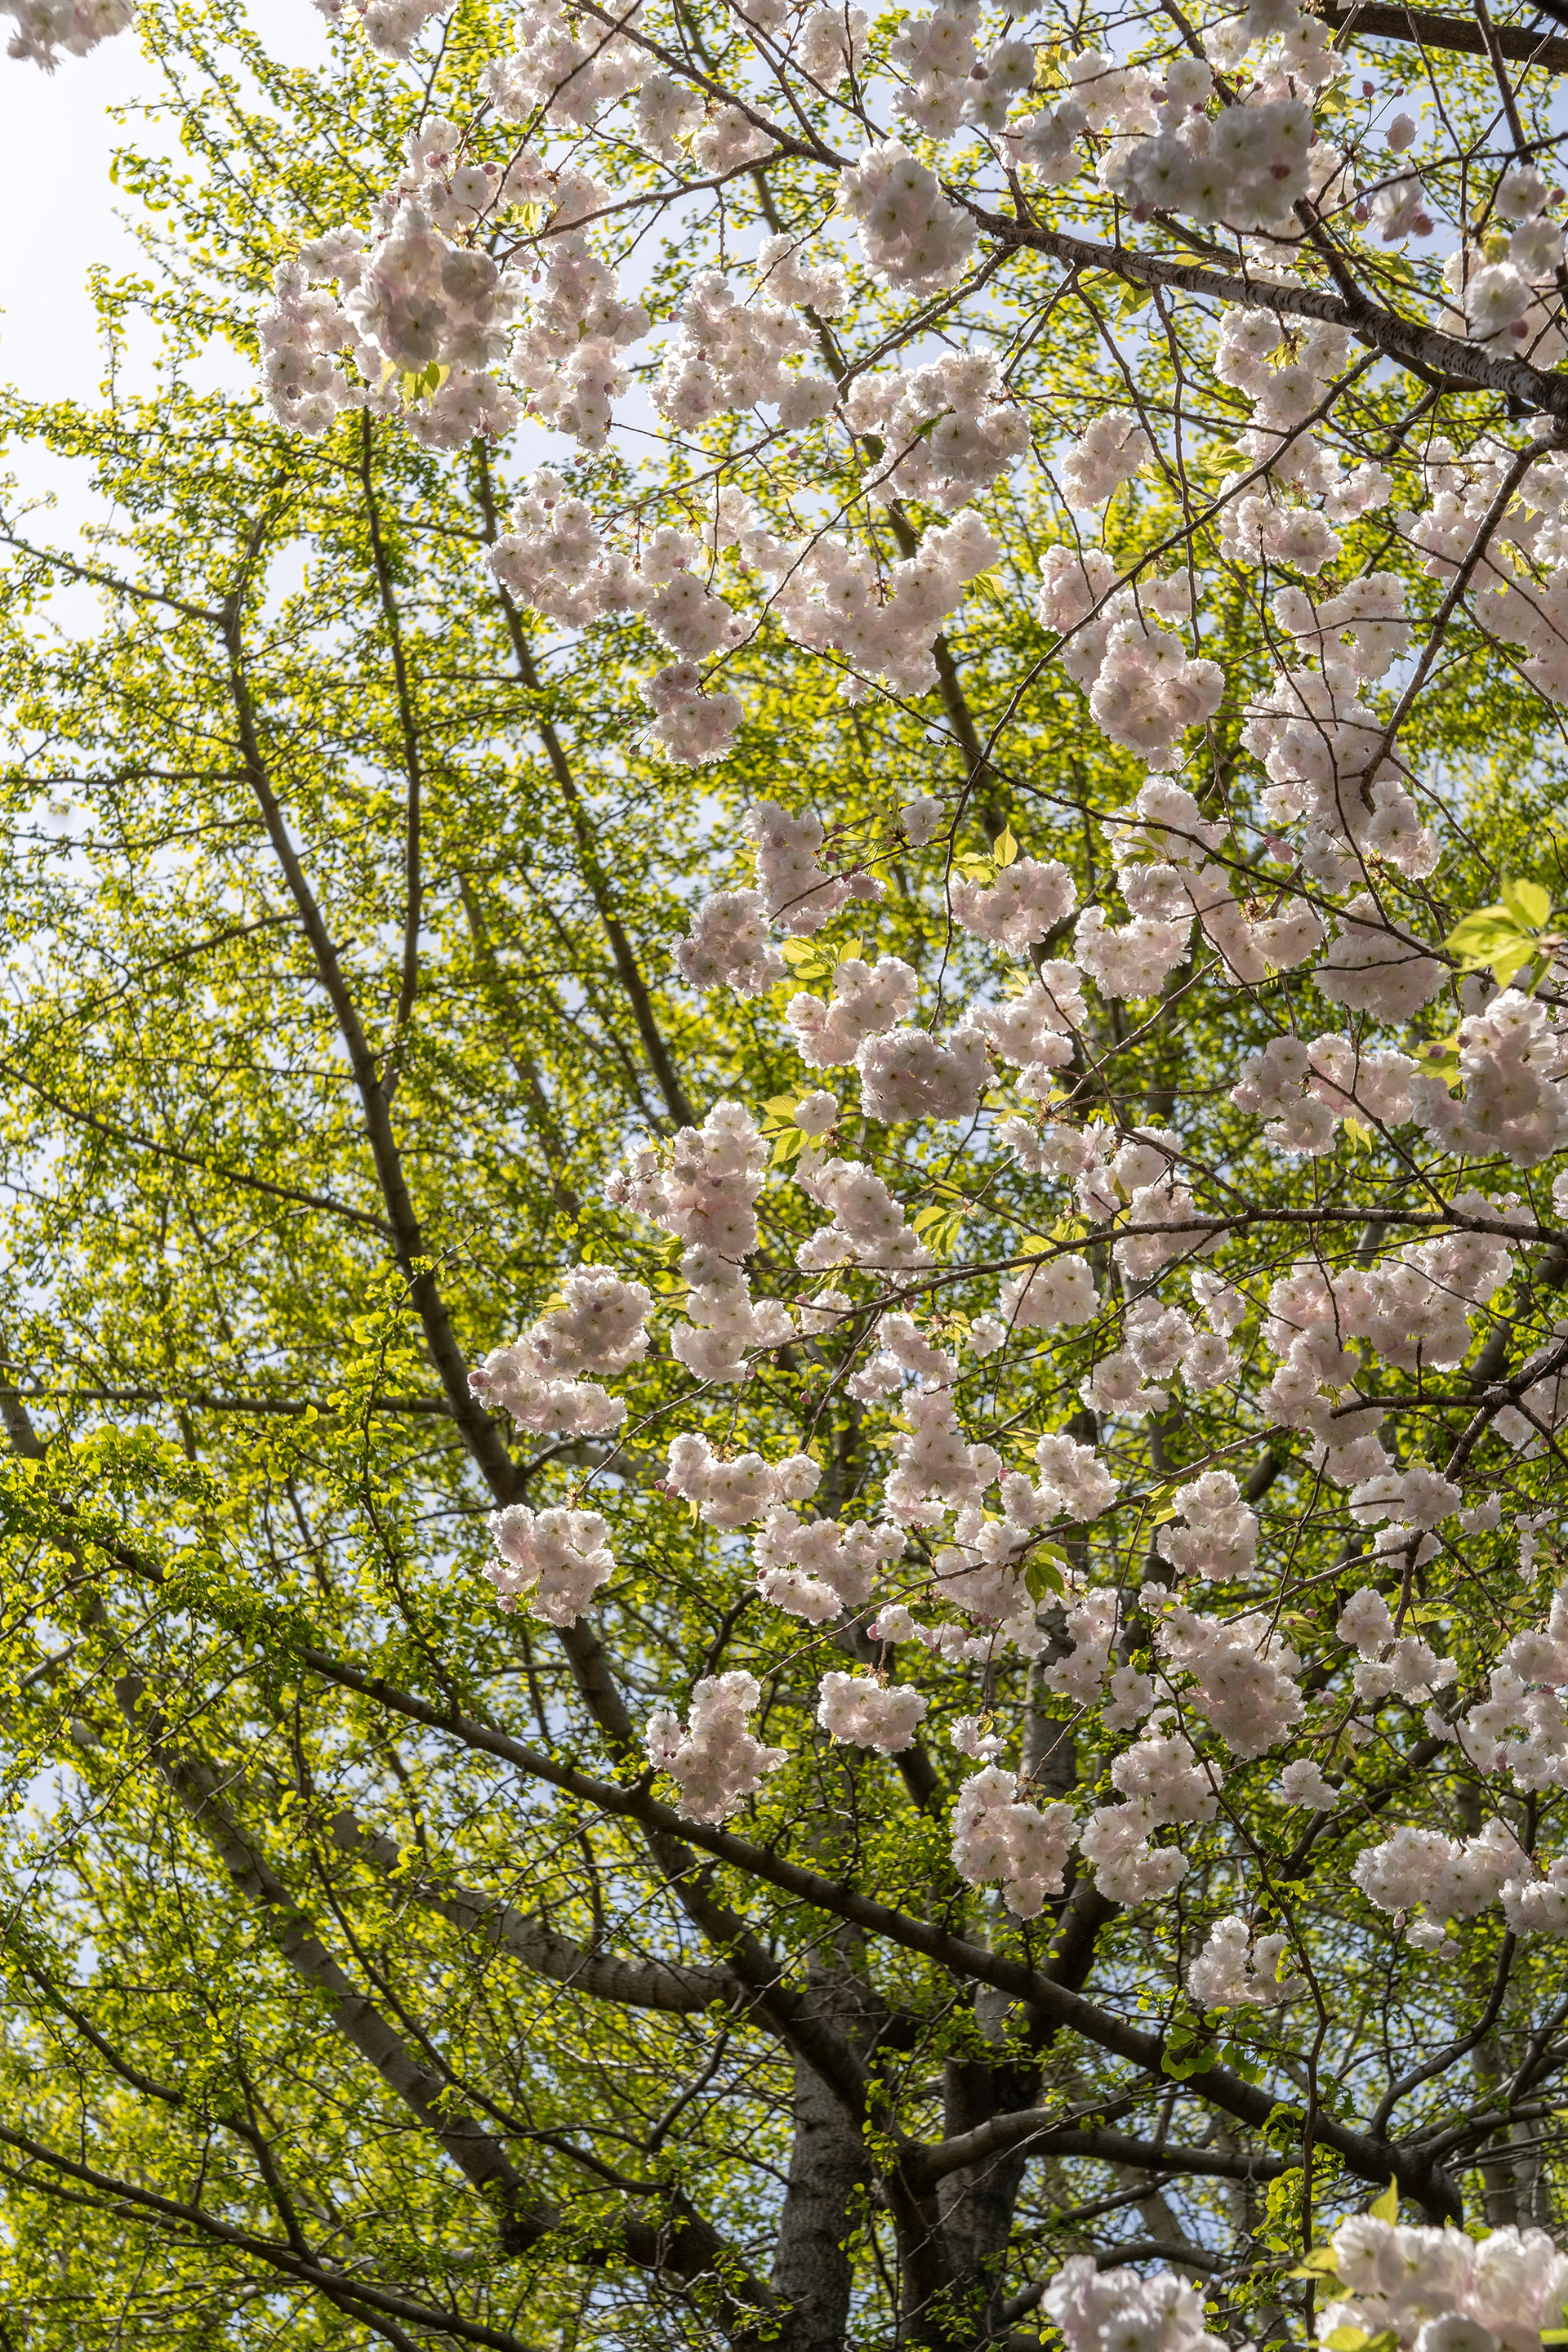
(677, 1100)
(1038, 2130)
(1371, 2159)
(1422, 349)
(637, 1984)
(412, 764)
(1426, 29)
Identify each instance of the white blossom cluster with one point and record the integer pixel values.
(726, 354)
(729, 1492)
(1521, 1725)
(1311, 1088)
(705, 1193)
(597, 1328)
(1443, 1878)
(867, 1225)
(714, 1758)
(999, 1837)
(1082, 1673)
(1025, 902)
(1233, 1971)
(45, 28)
(816, 1568)
(1098, 2310)
(1428, 2289)
(912, 234)
(867, 1001)
(1442, 2289)
(571, 70)
(1215, 1533)
(1243, 1674)
(390, 27)
(1160, 1781)
(947, 430)
(555, 1559)
(859, 1711)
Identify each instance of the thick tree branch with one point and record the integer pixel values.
(1421, 348)
(1042, 2134)
(412, 764)
(635, 1984)
(1425, 28)
(1370, 2158)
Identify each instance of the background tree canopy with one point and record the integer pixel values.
(378, 1964)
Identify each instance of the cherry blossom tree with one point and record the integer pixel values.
(867, 1070)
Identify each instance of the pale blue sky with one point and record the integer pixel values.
(57, 142)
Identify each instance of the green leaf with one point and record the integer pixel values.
(1386, 2206)
(1491, 939)
(1439, 1057)
(1479, 933)
(1179, 2065)
(1040, 1578)
(1133, 300)
(788, 1145)
(1004, 849)
(781, 1105)
(1529, 902)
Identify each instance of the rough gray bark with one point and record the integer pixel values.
(977, 2204)
(827, 2176)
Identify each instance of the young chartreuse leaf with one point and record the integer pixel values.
(1005, 848)
(1321, 2263)
(1386, 2206)
(1439, 1057)
(1505, 938)
(1530, 902)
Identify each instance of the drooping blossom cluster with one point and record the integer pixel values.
(597, 1328)
(705, 1193)
(553, 1560)
(1233, 1971)
(715, 1758)
(999, 1835)
(1160, 1783)
(861, 1712)
(47, 27)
